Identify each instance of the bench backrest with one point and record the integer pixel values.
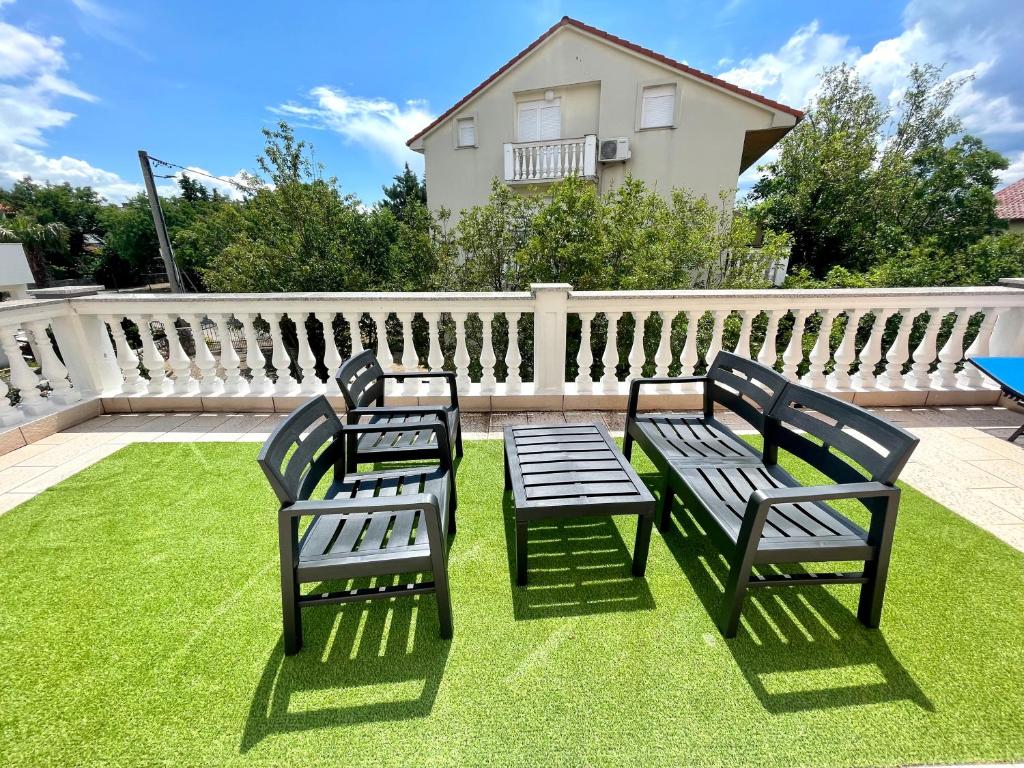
(359, 379)
(301, 450)
(833, 429)
(745, 387)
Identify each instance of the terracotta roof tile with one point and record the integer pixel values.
(566, 21)
(1010, 201)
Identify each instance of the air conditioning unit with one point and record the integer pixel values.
(613, 150)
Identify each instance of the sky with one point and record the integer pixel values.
(85, 84)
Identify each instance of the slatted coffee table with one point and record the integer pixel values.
(573, 470)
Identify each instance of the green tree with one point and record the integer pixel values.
(856, 182)
(406, 192)
(40, 241)
(490, 238)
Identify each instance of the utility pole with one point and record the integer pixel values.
(160, 224)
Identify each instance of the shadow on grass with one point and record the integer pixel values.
(577, 566)
(367, 662)
(799, 648)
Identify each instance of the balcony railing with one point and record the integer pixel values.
(540, 161)
(548, 348)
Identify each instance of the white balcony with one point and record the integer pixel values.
(545, 161)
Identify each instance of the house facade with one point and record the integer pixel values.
(581, 101)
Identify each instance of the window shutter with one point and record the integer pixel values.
(467, 132)
(659, 106)
(550, 122)
(528, 127)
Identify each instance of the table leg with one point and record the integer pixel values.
(508, 475)
(521, 553)
(642, 544)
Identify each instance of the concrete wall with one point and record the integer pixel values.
(599, 85)
(1016, 226)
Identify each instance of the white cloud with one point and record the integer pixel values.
(978, 39)
(378, 124)
(226, 185)
(1014, 172)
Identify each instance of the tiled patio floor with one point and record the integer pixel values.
(963, 461)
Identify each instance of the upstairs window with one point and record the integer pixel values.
(540, 120)
(659, 106)
(465, 132)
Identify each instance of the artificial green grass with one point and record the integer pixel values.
(140, 625)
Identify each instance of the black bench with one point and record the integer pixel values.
(760, 515)
(366, 524)
(573, 470)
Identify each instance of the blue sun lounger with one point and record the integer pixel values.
(1008, 373)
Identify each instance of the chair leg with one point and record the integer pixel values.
(872, 592)
(1020, 431)
(291, 612)
(732, 603)
(667, 497)
(521, 531)
(451, 514)
(458, 441)
(627, 445)
(444, 599)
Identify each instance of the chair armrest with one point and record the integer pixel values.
(312, 507)
(453, 390)
(439, 428)
(773, 496)
(635, 384)
(436, 411)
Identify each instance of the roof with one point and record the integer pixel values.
(566, 21)
(1010, 201)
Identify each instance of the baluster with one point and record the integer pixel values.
(355, 333)
(487, 357)
(462, 380)
(61, 391)
(127, 360)
(924, 355)
(151, 357)
(846, 353)
(332, 358)
(610, 382)
(410, 360)
(820, 352)
(717, 329)
(530, 165)
(768, 354)
(23, 377)
(234, 384)
(310, 384)
(513, 358)
(177, 360)
(970, 376)
(864, 378)
(286, 383)
(637, 355)
(952, 351)
(743, 342)
(896, 356)
(9, 415)
(688, 354)
(209, 383)
(384, 355)
(585, 357)
(663, 356)
(259, 384)
(435, 357)
(794, 354)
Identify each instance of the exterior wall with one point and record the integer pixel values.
(600, 86)
(1017, 225)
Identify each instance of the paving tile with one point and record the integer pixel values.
(546, 417)
(9, 501)
(55, 455)
(1004, 448)
(1009, 471)
(501, 420)
(13, 478)
(475, 425)
(1009, 499)
(584, 417)
(20, 455)
(11, 439)
(1012, 535)
(53, 475)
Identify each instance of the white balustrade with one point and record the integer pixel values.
(93, 351)
(540, 161)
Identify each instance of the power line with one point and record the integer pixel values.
(167, 163)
